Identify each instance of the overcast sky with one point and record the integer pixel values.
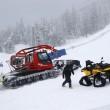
(11, 11)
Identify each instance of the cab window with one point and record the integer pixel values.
(43, 57)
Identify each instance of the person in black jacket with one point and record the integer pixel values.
(68, 69)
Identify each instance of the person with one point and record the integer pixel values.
(68, 69)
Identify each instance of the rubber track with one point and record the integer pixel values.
(23, 80)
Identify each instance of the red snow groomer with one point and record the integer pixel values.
(30, 65)
(33, 59)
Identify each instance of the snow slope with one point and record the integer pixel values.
(49, 95)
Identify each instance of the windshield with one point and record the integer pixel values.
(43, 57)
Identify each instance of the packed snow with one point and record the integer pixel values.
(50, 95)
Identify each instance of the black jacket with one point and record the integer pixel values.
(68, 69)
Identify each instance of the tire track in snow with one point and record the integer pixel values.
(87, 42)
(105, 107)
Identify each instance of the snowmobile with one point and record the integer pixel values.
(31, 65)
(59, 64)
(95, 73)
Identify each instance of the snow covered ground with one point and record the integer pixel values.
(49, 95)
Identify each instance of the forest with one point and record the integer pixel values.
(72, 24)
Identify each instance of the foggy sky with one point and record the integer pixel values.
(11, 11)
